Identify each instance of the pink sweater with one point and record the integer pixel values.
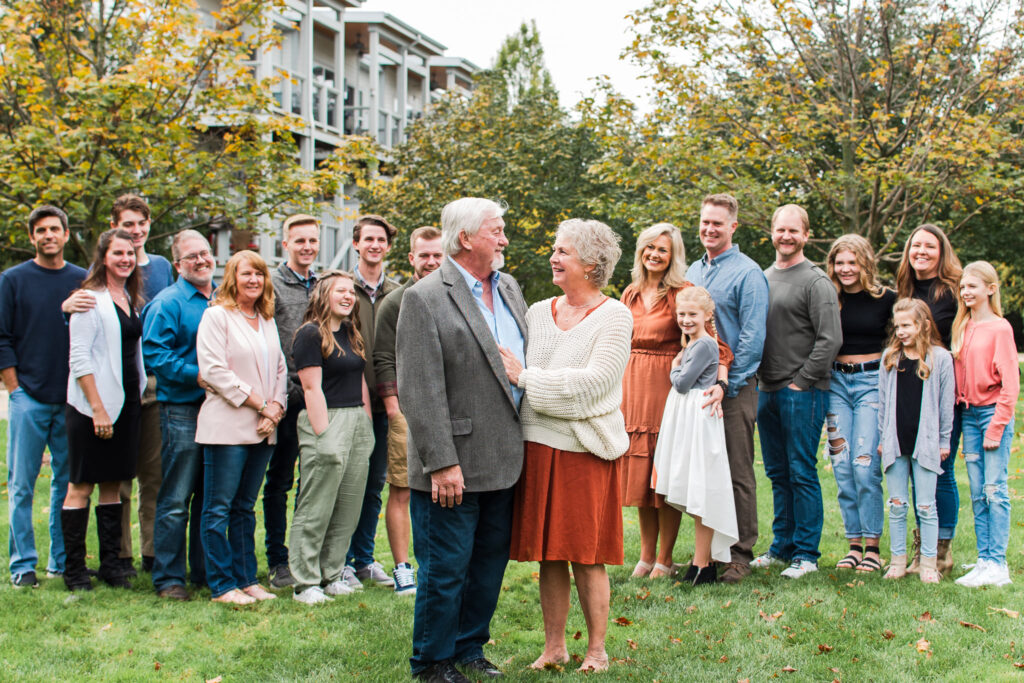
(987, 371)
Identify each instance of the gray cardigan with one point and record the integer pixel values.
(936, 424)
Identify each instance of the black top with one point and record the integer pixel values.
(865, 321)
(131, 330)
(943, 307)
(342, 378)
(908, 404)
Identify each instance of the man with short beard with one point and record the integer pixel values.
(170, 323)
(34, 348)
(425, 255)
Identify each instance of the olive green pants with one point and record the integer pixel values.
(332, 480)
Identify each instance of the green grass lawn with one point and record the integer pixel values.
(828, 626)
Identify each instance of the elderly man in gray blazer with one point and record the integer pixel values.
(465, 439)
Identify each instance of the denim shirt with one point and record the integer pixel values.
(501, 322)
(740, 292)
(170, 323)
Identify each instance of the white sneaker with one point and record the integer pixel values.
(997, 574)
(314, 595)
(798, 568)
(765, 560)
(971, 578)
(339, 587)
(405, 579)
(375, 572)
(349, 577)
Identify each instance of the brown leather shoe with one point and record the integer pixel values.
(944, 556)
(915, 549)
(175, 592)
(735, 572)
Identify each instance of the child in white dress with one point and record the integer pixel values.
(691, 468)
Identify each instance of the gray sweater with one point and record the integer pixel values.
(803, 329)
(936, 425)
(699, 368)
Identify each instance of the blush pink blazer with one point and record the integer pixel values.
(230, 360)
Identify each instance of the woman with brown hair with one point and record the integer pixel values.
(104, 407)
(240, 360)
(659, 272)
(930, 271)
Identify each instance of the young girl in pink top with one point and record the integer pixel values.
(987, 384)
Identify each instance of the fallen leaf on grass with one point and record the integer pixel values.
(553, 666)
(855, 584)
(673, 639)
(770, 617)
(670, 598)
(1019, 665)
(214, 680)
(632, 643)
(888, 635)
(923, 645)
(727, 605)
(623, 621)
(577, 635)
(833, 669)
(967, 624)
(156, 666)
(723, 659)
(576, 658)
(788, 669)
(107, 627)
(1013, 614)
(691, 609)
(927, 616)
(825, 648)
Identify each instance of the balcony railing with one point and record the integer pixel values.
(325, 106)
(288, 90)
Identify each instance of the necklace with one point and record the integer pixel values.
(250, 317)
(591, 304)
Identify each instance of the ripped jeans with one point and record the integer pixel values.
(987, 471)
(853, 418)
(898, 476)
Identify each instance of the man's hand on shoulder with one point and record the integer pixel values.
(446, 486)
(80, 301)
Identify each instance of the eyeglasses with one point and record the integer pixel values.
(199, 255)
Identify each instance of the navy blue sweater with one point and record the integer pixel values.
(33, 333)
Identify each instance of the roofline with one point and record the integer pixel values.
(392, 22)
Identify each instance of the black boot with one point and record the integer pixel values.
(708, 574)
(108, 528)
(74, 524)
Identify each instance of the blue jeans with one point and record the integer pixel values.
(232, 476)
(898, 475)
(986, 472)
(280, 479)
(462, 552)
(31, 427)
(853, 417)
(947, 495)
(179, 503)
(360, 550)
(789, 424)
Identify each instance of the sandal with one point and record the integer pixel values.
(852, 559)
(870, 564)
(661, 570)
(642, 569)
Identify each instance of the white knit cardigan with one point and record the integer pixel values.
(573, 380)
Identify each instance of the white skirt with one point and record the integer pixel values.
(691, 468)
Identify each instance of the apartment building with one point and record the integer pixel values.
(344, 71)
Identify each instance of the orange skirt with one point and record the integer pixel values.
(567, 507)
(637, 467)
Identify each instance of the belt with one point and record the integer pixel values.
(853, 368)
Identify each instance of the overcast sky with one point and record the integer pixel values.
(581, 39)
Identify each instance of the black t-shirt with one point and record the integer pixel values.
(342, 373)
(131, 330)
(942, 304)
(909, 388)
(865, 321)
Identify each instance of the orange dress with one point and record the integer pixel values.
(645, 387)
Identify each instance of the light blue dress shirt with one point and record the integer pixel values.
(502, 324)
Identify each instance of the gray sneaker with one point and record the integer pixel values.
(375, 572)
(349, 577)
(280, 576)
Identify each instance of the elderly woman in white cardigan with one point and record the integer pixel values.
(568, 501)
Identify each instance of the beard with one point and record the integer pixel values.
(499, 262)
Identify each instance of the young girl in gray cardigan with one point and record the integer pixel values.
(915, 419)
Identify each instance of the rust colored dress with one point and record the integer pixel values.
(645, 387)
(567, 506)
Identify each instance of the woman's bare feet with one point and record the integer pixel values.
(258, 592)
(594, 663)
(550, 660)
(234, 597)
(642, 569)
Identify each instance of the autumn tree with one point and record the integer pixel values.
(146, 96)
(510, 142)
(877, 115)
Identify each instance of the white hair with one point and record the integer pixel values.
(465, 216)
(596, 245)
(187, 234)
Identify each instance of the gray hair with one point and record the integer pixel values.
(596, 245)
(181, 237)
(465, 216)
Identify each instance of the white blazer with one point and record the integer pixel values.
(96, 350)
